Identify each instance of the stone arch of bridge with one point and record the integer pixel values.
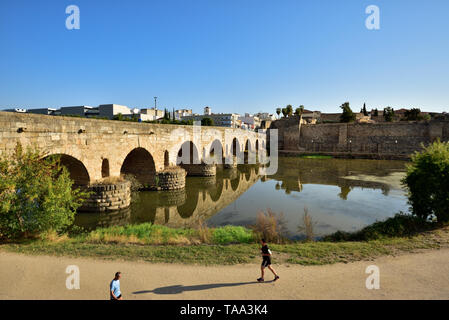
(77, 170)
(139, 164)
(216, 152)
(188, 154)
(249, 155)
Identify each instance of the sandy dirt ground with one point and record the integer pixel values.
(412, 276)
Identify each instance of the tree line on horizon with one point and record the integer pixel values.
(347, 115)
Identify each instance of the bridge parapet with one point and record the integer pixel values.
(95, 149)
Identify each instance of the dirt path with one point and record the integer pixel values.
(411, 276)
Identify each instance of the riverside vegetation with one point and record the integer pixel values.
(426, 228)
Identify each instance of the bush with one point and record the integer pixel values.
(347, 115)
(307, 225)
(427, 181)
(270, 226)
(413, 114)
(207, 122)
(232, 234)
(388, 114)
(36, 195)
(401, 225)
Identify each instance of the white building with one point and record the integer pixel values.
(230, 120)
(207, 111)
(179, 114)
(265, 116)
(111, 110)
(249, 121)
(151, 114)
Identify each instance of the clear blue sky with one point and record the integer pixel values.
(233, 55)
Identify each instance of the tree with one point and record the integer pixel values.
(118, 117)
(365, 113)
(347, 115)
(36, 195)
(289, 110)
(166, 114)
(413, 114)
(388, 114)
(427, 181)
(375, 112)
(299, 110)
(284, 112)
(207, 122)
(278, 111)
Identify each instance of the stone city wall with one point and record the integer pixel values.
(372, 140)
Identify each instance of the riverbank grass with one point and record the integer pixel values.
(152, 234)
(230, 245)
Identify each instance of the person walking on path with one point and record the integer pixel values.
(266, 262)
(114, 287)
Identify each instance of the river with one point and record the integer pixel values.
(339, 194)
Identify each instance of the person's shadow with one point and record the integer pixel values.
(180, 288)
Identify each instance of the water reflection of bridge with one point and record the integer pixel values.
(293, 173)
(202, 198)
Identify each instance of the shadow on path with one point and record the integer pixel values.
(180, 288)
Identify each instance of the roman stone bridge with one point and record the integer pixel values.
(94, 150)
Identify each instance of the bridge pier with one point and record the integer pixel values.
(232, 165)
(107, 197)
(200, 170)
(171, 178)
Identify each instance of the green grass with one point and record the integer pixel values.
(185, 254)
(314, 156)
(147, 233)
(232, 234)
(234, 245)
(303, 253)
(319, 253)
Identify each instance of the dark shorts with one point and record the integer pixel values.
(266, 262)
(117, 297)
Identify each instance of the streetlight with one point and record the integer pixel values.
(155, 98)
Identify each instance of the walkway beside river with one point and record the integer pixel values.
(422, 275)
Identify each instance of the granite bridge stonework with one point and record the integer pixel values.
(96, 151)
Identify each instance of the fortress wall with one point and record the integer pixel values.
(376, 139)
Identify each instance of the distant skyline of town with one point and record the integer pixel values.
(241, 110)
